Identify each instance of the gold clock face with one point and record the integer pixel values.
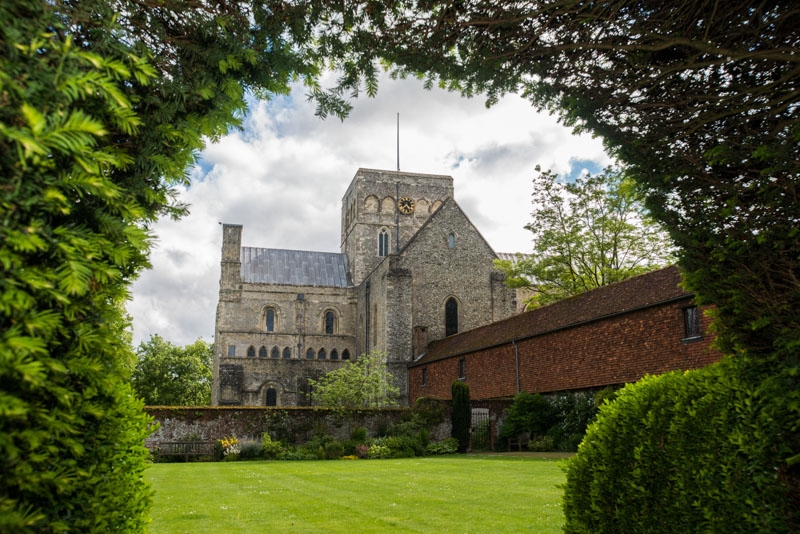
(405, 205)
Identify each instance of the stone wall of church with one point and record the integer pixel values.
(369, 206)
(463, 271)
(384, 311)
(283, 355)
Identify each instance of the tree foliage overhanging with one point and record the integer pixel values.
(103, 105)
(588, 233)
(699, 102)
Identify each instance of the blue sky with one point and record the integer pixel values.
(284, 175)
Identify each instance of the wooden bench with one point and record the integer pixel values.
(520, 441)
(185, 448)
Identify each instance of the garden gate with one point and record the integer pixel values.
(481, 430)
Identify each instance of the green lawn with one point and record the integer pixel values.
(433, 494)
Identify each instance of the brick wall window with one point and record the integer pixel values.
(691, 322)
(424, 376)
(462, 369)
(251, 351)
(231, 351)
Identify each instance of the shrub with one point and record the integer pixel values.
(410, 427)
(681, 452)
(349, 446)
(403, 446)
(531, 413)
(430, 412)
(298, 454)
(541, 444)
(228, 448)
(250, 450)
(462, 414)
(376, 452)
(334, 450)
(424, 437)
(362, 451)
(572, 412)
(359, 435)
(447, 446)
(270, 449)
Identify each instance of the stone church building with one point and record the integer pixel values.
(412, 269)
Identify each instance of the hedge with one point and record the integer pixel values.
(682, 452)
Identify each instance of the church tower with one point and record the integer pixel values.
(382, 210)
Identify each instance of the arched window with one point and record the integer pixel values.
(287, 353)
(321, 355)
(451, 241)
(383, 243)
(345, 354)
(272, 397)
(310, 354)
(334, 354)
(262, 352)
(276, 352)
(269, 320)
(251, 351)
(451, 317)
(329, 322)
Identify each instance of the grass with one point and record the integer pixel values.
(433, 494)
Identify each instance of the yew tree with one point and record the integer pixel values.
(699, 100)
(103, 105)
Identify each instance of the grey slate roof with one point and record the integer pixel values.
(294, 267)
(511, 256)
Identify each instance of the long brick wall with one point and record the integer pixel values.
(610, 336)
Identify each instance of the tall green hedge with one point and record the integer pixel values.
(462, 414)
(682, 452)
(71, 430)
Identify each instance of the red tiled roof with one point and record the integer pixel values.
(639, 292)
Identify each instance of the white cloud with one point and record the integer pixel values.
(284, 175)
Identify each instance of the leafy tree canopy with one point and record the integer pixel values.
(361, 383)
(168, 375)
(586, 234)
(699, 101)
(103, 105)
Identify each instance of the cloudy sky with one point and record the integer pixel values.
(283, 177)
